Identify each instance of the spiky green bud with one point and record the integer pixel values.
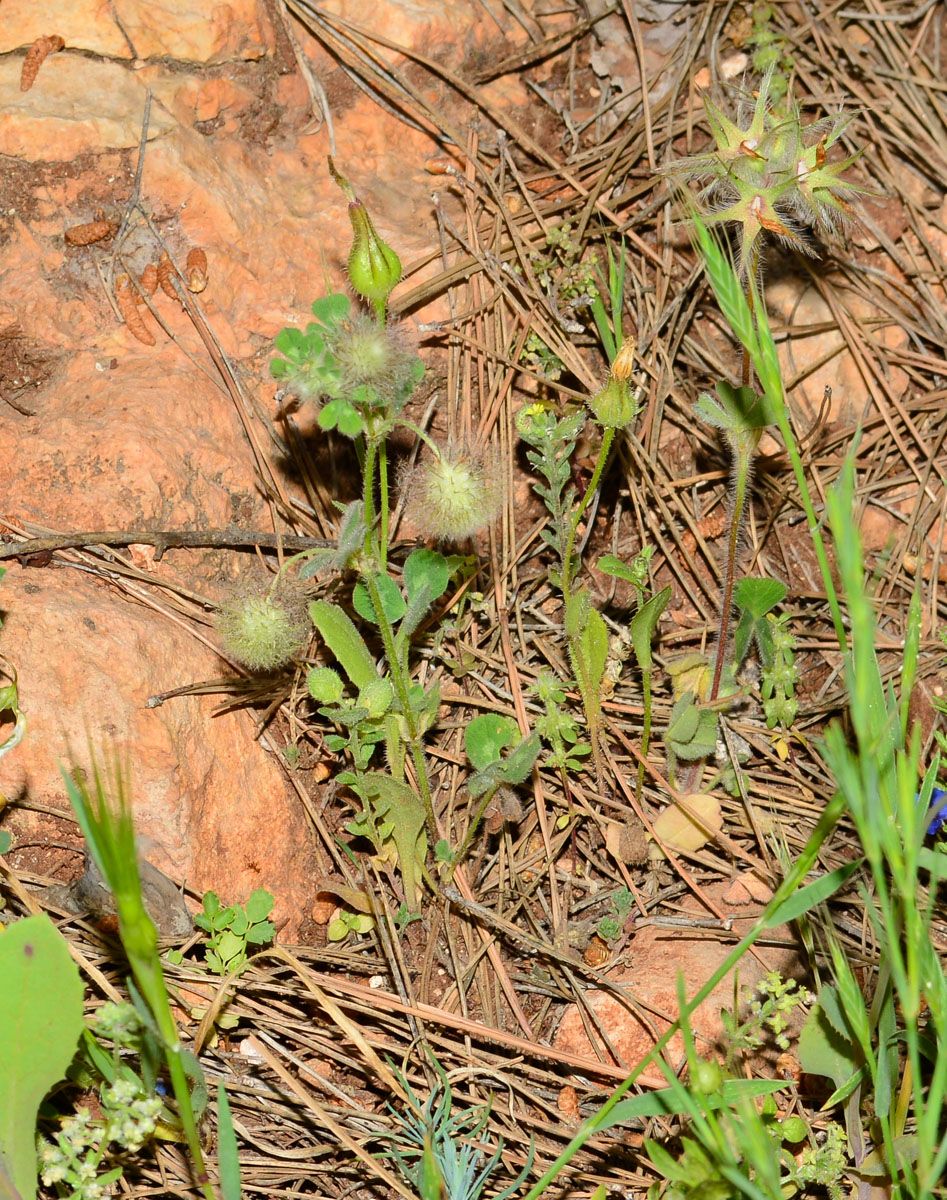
(616, 405)
(262, 632)
(449, 496)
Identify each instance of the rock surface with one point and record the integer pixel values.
(106, 432)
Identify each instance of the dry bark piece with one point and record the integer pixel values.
(35, 57)
(127, 300)
(196, 268)
(89, 232)
(149, 279)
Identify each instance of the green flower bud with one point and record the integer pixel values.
(374, 268)
(616, 405)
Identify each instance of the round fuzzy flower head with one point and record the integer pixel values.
(262, 631)
(377, 365)
(450, 495)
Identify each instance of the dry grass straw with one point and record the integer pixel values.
(311, 1089)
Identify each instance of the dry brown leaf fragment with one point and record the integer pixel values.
(149, 279)
(167, 273)
(196, 270)
(36, 56)
(87, 233)
(127, 301)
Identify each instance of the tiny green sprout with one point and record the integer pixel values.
(264, 631)
(348, 922)
(374, 268)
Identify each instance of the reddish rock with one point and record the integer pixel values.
(657, 956)
(124, 435)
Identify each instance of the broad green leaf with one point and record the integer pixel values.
(758, 596)
(644, 623)
(339, 633)
(426, 573)
(260, 904)
(611, 564)
(755, 597)
(486, 736)
(824, 1051)
(325, 685)
(331, 309)
(40, 1025)
(392, 601)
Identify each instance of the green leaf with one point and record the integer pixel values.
(260, 904)
(325, 685)
(6, 840)
(426, 573)
(824, 1051)
(400, 804)
(331, 309)
(486, 736)
(520, 761)
(40, 1025)
(812, 895)
(228, 1158)
(392, 601)
(644, 623)
(692, 731)
(340, 414)
(426, 576)
(755, 597)
(291, 342)
(758, 596)
(339, 633)
(611, 564)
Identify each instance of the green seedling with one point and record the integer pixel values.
(553, 441)
(780, 675)
(232, 930)
(557, 726)
(439, 1152)
(40, 1024)
(348, 922)
(610, 927)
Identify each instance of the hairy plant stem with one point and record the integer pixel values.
(569, 548)
(368, 486)
(383, 502)
(742, 445)
(402, 689)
